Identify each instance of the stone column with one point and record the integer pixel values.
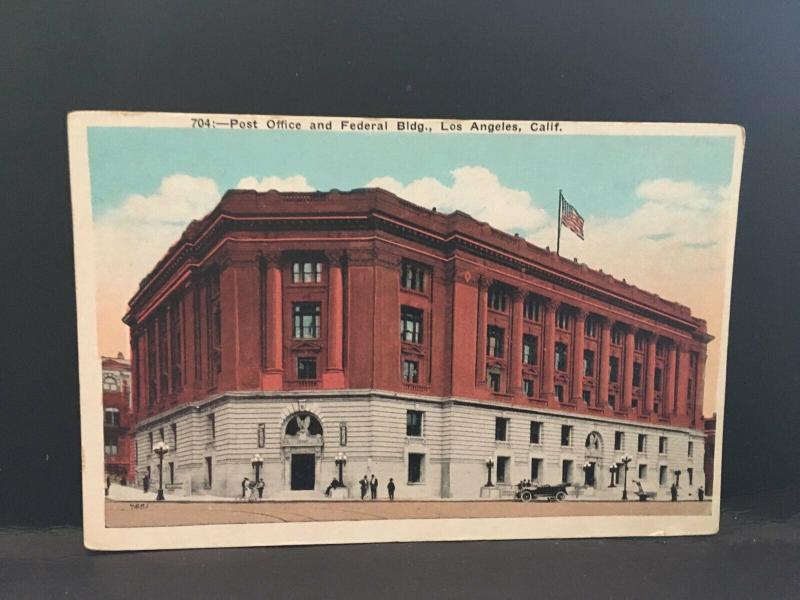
(516, 342)
(699, 392)
(669, 381)
(627, 375)
(682, 383)
(334, 377)
(480, 354)
(548, 354)
(650, 388)
(273, 377)
(578, 332)
(605, 366)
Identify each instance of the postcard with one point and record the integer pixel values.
(327, 330)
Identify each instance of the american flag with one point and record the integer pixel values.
(571, 218)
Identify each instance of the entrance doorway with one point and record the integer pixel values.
(590, 476)
(303, 467)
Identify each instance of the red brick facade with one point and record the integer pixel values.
(288, 291)
(118, 419)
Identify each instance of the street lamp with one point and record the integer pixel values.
(677, 477)
(257, 462)
(161, 449)
(341, 461)
(625, 461)
(489, 465)
(613, 470)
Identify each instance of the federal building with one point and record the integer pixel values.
(285, 330)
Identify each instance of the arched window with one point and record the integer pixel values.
(303, 422)
(110, 383)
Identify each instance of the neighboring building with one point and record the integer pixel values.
(300, 325)
(710, 430)
(118, 418)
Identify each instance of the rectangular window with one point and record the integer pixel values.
(343, 434)
(261, 435)
(501, 429)
(412, 277)
(411, 371)
(642, 472)
(529, 349)
(306, 367)
(503, 472)
(111, 417)
(111, 442)
(416, 466)
(161, 434)
(616, 336)
(562, 319)
(306, 272)
(590, 329)
(561, 356)
(172, 473)
(494, 341)
(150, 444)
(527, 387)
(662, 475)
(536, 432)
(306, 319)
(587, 397)
(536, 469)
(588, 363)
(531, 308)
(559, 391)
(612, 400)
(657, 379)
(662, 445)
(174, 428)
(497, 299)
(641, 444)
(660, 348)
(690, 449)
(566, 471)
(637, 374)
(619, 440)
(411, 324)
(638, 342)
(566, 435)
(690, 475)
(494, 382)
(212, 426)
(613, 369)
(414, 423)
(209, 472)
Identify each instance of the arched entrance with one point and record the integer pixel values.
(301, 447)
(593, 464)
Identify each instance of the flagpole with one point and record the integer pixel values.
(558, 239)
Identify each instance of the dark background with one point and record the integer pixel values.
(639, 61)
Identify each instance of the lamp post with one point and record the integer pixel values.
(257, 463)
(587, 467)
(489, 465)
(161, 449)
(625, 461)
(613, 470)
(341, 461)
(677, 477)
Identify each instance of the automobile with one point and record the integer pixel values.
(527, 492)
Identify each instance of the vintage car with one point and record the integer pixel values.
(530, 491)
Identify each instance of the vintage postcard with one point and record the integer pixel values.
(306, 330)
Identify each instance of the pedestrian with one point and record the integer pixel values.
(390, 488)
(334, 484)
(251, 485)
(673, 490)
(244, 487)
(260, 488)
(701, 493)
(373, 488)
(124, 481)
(364, 484)
(146, 483)
(108, 484)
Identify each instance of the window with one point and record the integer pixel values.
(566, 471)
(209, 472)
(613, 370)
(693, 360)
(588, 363)
(619, 440)
(689, 393)
(150, 444)
(343, 434)
(161, 434)
(410, 371)
(566, 435)
(503, 472)
(616, 336)
(690, 449)
(612, 400)
(690, 475)
(212, 425)
(306, 319)
(494, 381)
(306, 367)
(531, 308)
(662, 475)
(111, 417)
(559, 391)
(416, 465)
(641, 445)
(174, 428)
(562, 319)
(111, 443)
(527, 387)
(306, 272)
(590, 329)
(412, 277)
(536, 469)
(561, 356)
(261, 435)
(660, 348)
(662, 445)
(638, 343)
(657, 379)
(642, 472)
(529, 347)
(414, 423)
(411, 324)
(637, 374)
(110, 383)
(501, 429)
(587, 397)
(497, 299)
(494, 341)
(171, 473)
(536, 432)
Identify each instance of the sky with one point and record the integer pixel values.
(658, 209)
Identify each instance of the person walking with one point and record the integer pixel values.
(673, 490)
(244, 487)
(146, 483)
(390, 488)
(251, 486)
(363, 483)
(260, 488)
(701, 493)
(108, 484)
(373, 488)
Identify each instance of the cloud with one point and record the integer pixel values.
(476, 191)
(294, 183)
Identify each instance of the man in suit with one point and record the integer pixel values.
(363, 483)
(373, 487)
(390, 488)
